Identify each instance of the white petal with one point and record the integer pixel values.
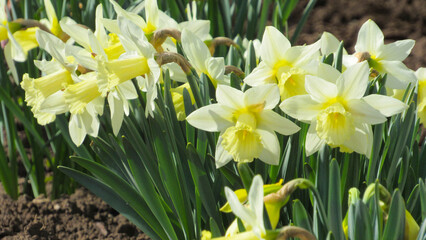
(313, 143)
(274, 45)
(201, 28)
(301, 107)
(10, 62)
(176, 72)
(399, 76)
(100, 32)
(55, 104)
(128, 90)
(238, 209)
(260, 75)
(268, 94)
(272, 121)
(328, 73)
(329, 43)
(308, 53)
(216, 69)
(271, 148)
(362, 112)
(196, 51)
(362, 140)
(353, 82)
(319, 89)
(349, 60)
(211, 118)
(370, 38)
(111, 25)
(135, 18)
(396, 51)
(76, 32)
(76, 130)
(117, 113)
(222, 157)
(255, 199)
(151, 12)
(230, 97)
(387, 106)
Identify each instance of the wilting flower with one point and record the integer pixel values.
(282, 64)
(339, 114)
(421, 95)
(246, 122)
(383, 58)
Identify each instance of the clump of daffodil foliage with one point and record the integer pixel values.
(176, 122)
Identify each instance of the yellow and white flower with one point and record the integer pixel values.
(339, 114)
(383, 58)
(200, 58)
(246, 122)
(282, 64)
(252, 213)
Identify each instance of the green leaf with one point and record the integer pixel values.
(111, 197)
(395, 225)
(359, 226)
(300, 216)
(125, 191)
(335, 201)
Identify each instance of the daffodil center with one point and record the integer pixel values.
(291, 83)
(335, 124)
(52, 83)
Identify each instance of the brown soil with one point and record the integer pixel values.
(78, 216)
(398, 19)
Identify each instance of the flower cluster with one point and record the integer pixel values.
(91, 66)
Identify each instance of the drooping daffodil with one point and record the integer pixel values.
(247, 124)
(339, 113)
(282, 64)
(383, 58)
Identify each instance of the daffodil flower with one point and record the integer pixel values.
(252, 215)
(339, 114)
(58, 74)
(137, 62)
(383, 58)
(200, 58)
(246, 122)
(421, 95)
(282, 64)
(112, 73)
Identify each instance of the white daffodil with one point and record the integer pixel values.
(421, 95)
(383, 58)
(339, 114)
(200, 58)
(112, 73)
(137, 62)
(85, 103)
(246, 122)
(282, 64)
(252, 213)
(58, 74)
